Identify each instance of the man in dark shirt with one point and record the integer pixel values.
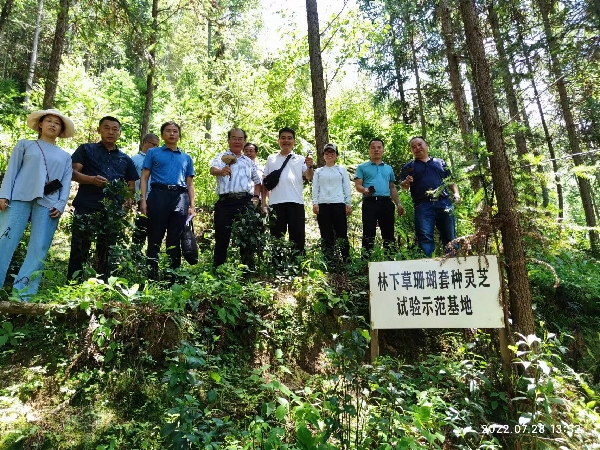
(95, 165)
(433, 205)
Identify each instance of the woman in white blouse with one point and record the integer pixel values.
(35, 188)
(332, 203)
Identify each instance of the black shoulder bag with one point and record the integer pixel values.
(189, 247)
(272, 180)
(50, 186)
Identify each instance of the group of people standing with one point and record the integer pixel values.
(239, 187)
(36, 187)
(375, 180)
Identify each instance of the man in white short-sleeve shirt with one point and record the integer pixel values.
(286, 199)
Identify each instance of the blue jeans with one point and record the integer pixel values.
(428, 215)
(13, 222)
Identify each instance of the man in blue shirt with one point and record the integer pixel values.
(375, 180)
(238, 186)
(433, 205)
(171, 199)
(95, 165)
(140, 231)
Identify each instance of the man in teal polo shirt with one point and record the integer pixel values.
(375, 181)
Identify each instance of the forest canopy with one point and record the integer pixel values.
(507, 92)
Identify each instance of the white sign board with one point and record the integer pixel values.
(431, 293)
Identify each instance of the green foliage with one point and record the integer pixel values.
(579, 276)
(244, 358)
(353, 121)
(208, 394)
(189, 419)
(9, 112)
(553, 403)
(10, 336)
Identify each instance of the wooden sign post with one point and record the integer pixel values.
(434, 293)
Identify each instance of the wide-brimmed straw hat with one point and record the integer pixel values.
(33, 122)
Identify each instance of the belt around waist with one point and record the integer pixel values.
(377, 198)
(429, 199)
(169, 187)
(234, 196)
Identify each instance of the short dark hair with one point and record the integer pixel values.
(150, 136)
(110, 119)
(376, 140)
(287, 130)
(251, 143)
(417, 137)
(166, 124)
(236, 129)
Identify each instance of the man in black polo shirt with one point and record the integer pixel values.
(425, 177)
(95, 165)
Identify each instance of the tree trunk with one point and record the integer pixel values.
(595, 7)
(454, 73)
(316, 77)
(458, 93)
(398, 69)
(547, 136)
(514, 253)
(40, 309)
(58, 44)
(147, 114)
(475, 101)
(5, 14)
(585, 188)
(418, 81)
(207, 120)
(507, 82)
(529, 136)
(34, 52)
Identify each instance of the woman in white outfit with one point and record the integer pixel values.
(332, 203)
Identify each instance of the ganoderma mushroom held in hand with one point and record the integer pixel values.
(229, 160)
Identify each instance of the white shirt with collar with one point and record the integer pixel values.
(290, 186)
(244, 175)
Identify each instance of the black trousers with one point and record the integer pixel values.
(140, 231)
(290, 218)
(226, 211)
(333, 225)
(377, 211)
(88, 227)
(167, 212)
